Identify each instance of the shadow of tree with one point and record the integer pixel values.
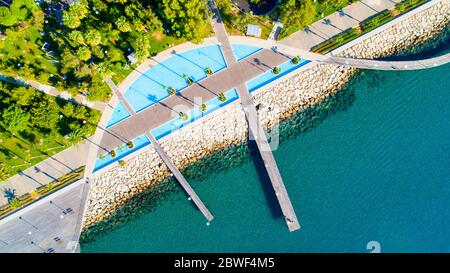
(9, 194)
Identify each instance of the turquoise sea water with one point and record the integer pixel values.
(378, 171)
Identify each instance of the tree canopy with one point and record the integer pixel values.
(184, 16)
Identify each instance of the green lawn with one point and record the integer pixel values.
(19, 154)
(24, 47)
(35, 126)
(322, 9)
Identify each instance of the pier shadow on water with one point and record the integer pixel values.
(264, 179)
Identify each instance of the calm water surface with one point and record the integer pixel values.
(378, 171)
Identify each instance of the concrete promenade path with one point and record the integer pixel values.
(348, 17)
(44, 172)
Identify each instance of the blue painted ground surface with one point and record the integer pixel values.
(120, 113)
(139, 143)
(269, 76)
(243, 51)
(150, 87)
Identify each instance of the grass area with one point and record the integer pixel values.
(35, 126)
(20, 154)
(16, 203)
(306, 12)
(236, 21)
(367, 26)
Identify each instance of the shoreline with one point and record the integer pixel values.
(302, 96)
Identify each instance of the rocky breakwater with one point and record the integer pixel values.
(309, 87)
(112, 188)
(408, 33)
(228, 126)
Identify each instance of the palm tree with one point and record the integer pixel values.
(183, 116)
(276, 70)
(75, 136)
(222, 97)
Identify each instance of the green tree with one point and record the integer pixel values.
(142, 46)
(225, 7)
(123, 25)
(76, 12)
(84, 53)
(138, 26)
(17, 11)
(45, 114)
(70, 20)
(79, 9)
(15, 119)
(93, 37)
(184, 16)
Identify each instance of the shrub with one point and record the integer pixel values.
(171, 91)
(113, 154)
(296, 60)
(222, 97)
(130, 144)
(49, 186)
(203, 107)
(209, 71)
(276, 70)
(122, 163)
(15, 203)
(183, 116)
(35, 194)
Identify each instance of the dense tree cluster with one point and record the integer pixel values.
(183, 16)
(26, 111)
(33, 126)
(91, 40)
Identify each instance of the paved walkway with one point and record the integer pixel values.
(42, 222)
(52, 91)
(44, 172)
(256, 130)
(190, 97)
(337, 22)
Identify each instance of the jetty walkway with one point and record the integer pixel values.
(169, 163)
(256, 131)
